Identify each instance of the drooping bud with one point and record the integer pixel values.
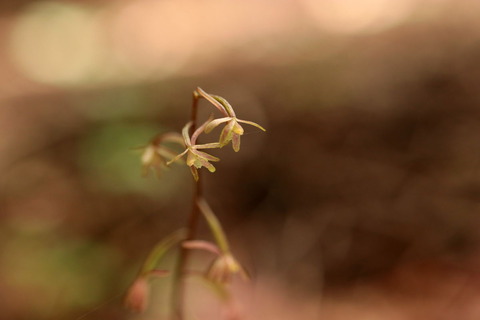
(223, 268)
(138, 295)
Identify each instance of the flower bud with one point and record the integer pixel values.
(138, 295)
(223, 268)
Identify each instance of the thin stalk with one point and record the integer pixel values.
(178, 291)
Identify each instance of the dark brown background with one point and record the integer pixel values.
(363, 192)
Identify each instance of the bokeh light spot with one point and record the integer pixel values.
(56, 43)
(352, 17)
(153, 38)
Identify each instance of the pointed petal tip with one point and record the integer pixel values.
(252, 124)
(194, 173)
(236, 142)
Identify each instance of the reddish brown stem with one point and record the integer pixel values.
(178, 293)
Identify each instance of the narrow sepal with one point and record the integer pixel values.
(225, 104)
(214, 123)
(199, 130)
(252, 124)
(177, 157)
(199, 92)
(186, 134)
(212, 145)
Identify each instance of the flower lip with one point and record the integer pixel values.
(232, 130)
(195, 158)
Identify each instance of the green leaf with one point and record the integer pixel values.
(159, 251)
(214, 225)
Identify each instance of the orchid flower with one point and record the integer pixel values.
(232, 130)
(155, 155)
(225, 265)
(195, 158)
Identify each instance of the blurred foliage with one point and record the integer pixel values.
(107, 161)
(53, 273)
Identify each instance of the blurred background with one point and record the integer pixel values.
(359, 202)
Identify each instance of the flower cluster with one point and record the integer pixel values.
(156, 156)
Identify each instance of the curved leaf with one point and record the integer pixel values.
(159, 251)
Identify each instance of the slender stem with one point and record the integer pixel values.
(178, 291)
